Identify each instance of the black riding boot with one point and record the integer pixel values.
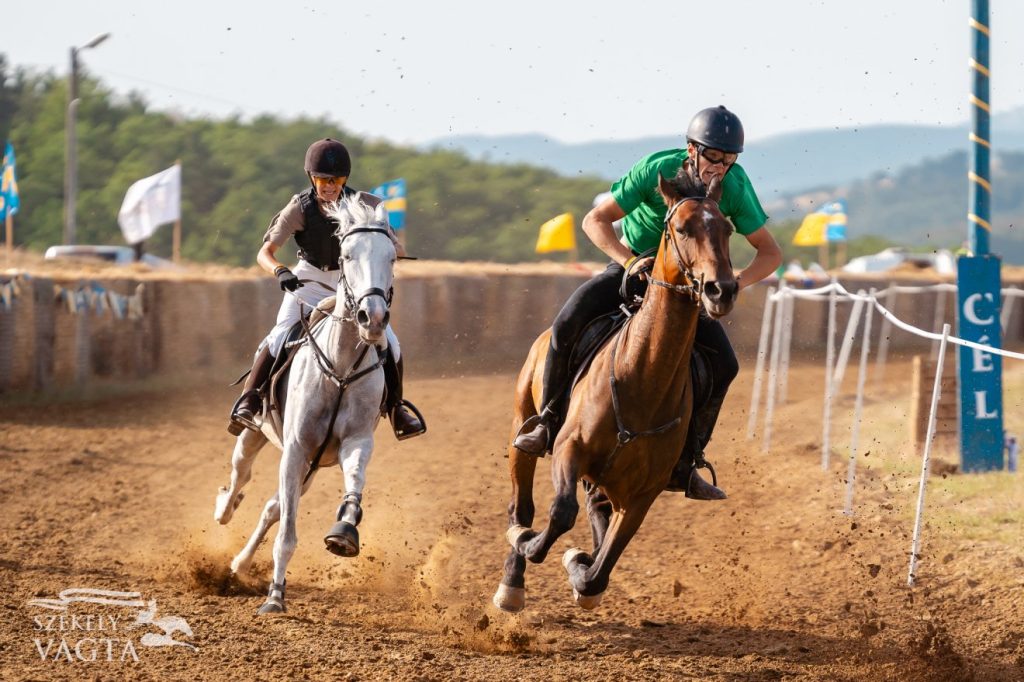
(406, 420)
(250, 404)
(537, 434)
(685, 476)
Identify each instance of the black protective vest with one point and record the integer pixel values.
(317, 244)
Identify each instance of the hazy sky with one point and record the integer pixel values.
(416, 71)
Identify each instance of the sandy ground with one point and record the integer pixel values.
(117, 493)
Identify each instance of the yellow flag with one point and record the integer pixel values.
(557, 234)
(812, 230)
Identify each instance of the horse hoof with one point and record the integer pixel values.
(515, 534)
(239, 567)
(343, 539)
(223, 511)
(570, 556)
(271, 607)
(589, 603)
(510, 599)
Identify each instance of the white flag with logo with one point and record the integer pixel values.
(150, 203)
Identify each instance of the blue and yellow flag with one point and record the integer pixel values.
(393, 194)
(9, 202)
(557, 234)
(827, 224)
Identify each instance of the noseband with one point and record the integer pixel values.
(351, 300)
(694, 287)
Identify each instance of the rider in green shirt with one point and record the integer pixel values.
(714, 140)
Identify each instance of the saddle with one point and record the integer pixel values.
(605, 328)
(273, 391)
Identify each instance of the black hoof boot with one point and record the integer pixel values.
(343, 539)
(275, 600)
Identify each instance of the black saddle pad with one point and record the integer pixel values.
(606, 327)
(594, 336)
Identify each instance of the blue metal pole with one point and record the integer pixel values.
(980, 373)
(980, 190)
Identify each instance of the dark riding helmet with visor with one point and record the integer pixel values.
(328, 158)
(716, 128)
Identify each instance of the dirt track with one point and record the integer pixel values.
(117, 493)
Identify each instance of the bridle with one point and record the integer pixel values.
(694, 287)
(326, 366)
(348, 315)
(351, 300)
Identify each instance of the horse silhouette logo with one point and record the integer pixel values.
(169, 624)
(147, 615)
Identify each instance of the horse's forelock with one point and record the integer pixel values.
(686, 185)
(350, 212)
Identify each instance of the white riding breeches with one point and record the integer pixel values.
(310, 294)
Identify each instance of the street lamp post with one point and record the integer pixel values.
(71, 142)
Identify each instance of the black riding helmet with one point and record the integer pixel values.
(328, 157)
(716, 128)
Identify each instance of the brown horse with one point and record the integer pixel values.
(628, 415)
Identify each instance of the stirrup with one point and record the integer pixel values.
(238, 422)
(700, 463)
(403, 435)
(527, 429)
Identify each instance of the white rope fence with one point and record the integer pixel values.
(779, 305)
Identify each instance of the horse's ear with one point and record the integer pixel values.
(715, 190)
(380, 213)
(667, 190)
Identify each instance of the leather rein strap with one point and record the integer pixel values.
(694, 287)
(324, 363)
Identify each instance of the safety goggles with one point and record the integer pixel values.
(716, 157)
(329, 180)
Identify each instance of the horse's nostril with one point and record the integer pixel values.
(387, 317)
(362, 318)
(712, 290)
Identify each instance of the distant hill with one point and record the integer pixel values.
(779, 165)
(925, 204)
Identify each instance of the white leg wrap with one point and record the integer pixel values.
(514, 533)
(569, 555)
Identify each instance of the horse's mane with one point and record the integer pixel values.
(686, 185)
(350, 212)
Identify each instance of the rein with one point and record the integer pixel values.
(351, 301)
(625, 436)
(342, 385)
(694, 288)
(324, 363)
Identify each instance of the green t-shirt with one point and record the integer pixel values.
(637, 194)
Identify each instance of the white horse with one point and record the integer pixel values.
(331, 401)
